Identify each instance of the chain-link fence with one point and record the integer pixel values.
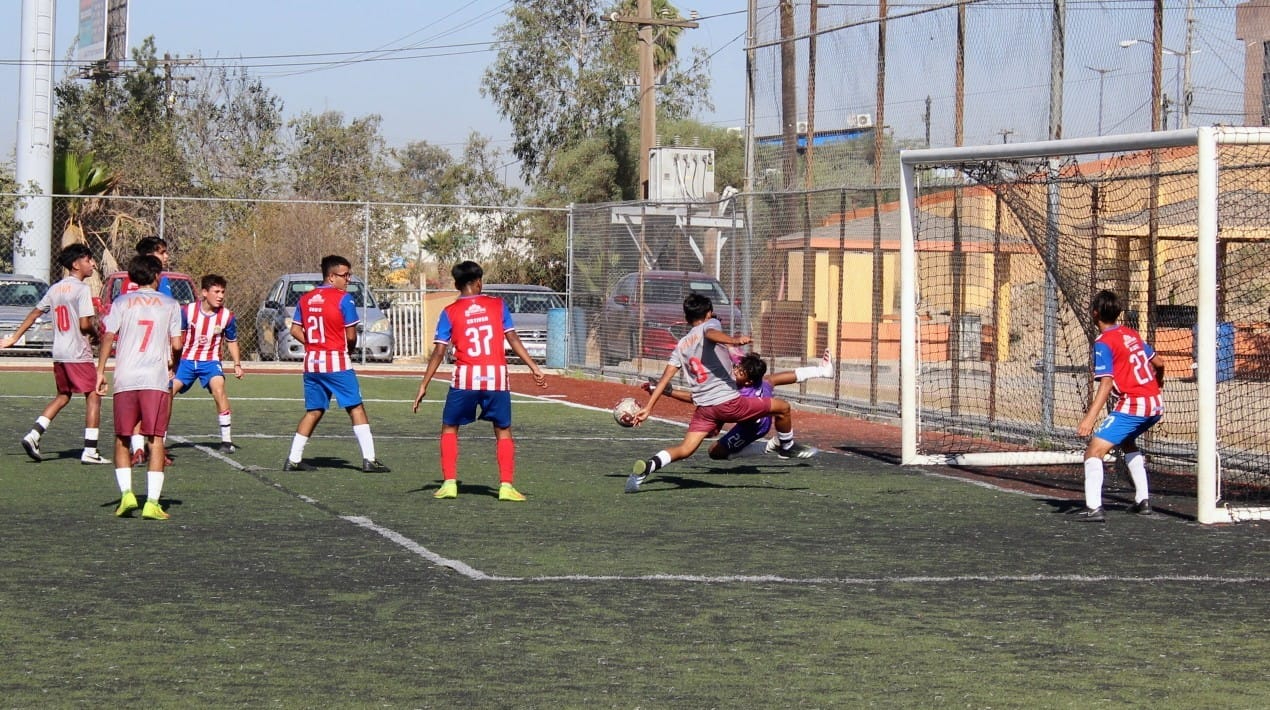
(801, 272)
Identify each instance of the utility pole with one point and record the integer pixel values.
(645, 21)
(169, 97)
(1005, 134)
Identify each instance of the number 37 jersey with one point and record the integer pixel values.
(1121, 354)
(474, 326)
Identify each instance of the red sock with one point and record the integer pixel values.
(449, 455)
(506, 452)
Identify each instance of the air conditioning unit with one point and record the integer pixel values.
(801, 126)
(862, 120)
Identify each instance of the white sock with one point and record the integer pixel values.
(1093, 483)
(297, 448)
(124, 477)
(786, 438)
(365, 440)
(42, 422)
(154, 486)
(138, 442)
(223, 420)
(1137, 465)
(811, 372)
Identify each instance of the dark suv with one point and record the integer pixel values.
(644, 313)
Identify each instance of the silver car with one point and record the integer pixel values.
(273, 321)
(528, 305)
(18, 295)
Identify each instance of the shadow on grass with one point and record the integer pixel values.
(1065, 507)
(477, 489)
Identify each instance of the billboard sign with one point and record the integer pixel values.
(92, 30)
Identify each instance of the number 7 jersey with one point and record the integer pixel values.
(474, 326)
(1121, 354)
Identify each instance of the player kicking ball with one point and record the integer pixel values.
(746, 438)
(704, 352)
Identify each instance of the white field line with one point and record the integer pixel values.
(472, 573)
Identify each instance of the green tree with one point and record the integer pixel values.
(561, 76)
(332, 160)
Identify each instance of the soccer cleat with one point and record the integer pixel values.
(1090, 515)
(374, 466)
(796, 451)
(772, 446)
(92, 457)
(227, 447)
(507, 492)
(32, 446)
(139, 457)
(639, 473)
(290, 465)
(1142, 507)
(826, 364)
(127, 504)
(450, 489)
(154, 511)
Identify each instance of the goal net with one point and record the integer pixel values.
(1002, 249)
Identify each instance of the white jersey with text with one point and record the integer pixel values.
(144, 323)
(705, 365)
(66, 302)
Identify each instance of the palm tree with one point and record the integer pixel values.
(79, 176)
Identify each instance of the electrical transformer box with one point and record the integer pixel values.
(680, 174)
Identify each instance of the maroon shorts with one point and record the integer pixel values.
(150, 408)
(75, 377)
(708, 419)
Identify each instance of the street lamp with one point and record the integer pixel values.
(1102, 75)
(1182, 97)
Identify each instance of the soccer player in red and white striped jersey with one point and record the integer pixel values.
(325, 320)
(1124, 364)
(479, 328)
(208, 324)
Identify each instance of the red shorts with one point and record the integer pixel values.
(75, 377)
(708, 419)
(151, 408)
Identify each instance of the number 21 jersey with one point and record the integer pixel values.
(1121, 354)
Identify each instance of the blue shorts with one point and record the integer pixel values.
(1118, 427)
(744, 434)
(203, 370)
(460, 407)
(319, 387)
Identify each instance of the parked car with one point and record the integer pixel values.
(182, 286)
(644, 315)
(528, 306)
(273, 321)
(18, 295)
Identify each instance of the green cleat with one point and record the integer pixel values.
(507, 492)
(154, 511)
(127, 504)
(449, 489)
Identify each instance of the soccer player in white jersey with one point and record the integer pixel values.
(703, 355)
(70, 303)
(208, 324)
(145, 328)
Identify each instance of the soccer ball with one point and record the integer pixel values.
(624, 412)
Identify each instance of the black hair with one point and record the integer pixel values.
(330, 261)
(465, 272)
(211, 280)
(697, 307)
(1106, 306)
(144, 269)
(72, 253)
(149, 245)
(753, 366)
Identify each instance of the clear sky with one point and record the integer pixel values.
(432, 94)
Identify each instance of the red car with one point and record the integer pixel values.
(644, 315)
(183, 290)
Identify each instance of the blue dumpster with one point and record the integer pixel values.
(557, 337)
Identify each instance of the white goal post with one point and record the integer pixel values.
(1030, 197)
